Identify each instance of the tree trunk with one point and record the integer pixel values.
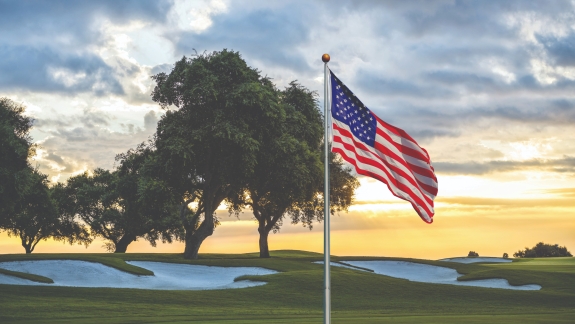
(123, 243)
(26, 244)
(264, 248)
(194, 239)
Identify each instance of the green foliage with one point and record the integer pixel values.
(288, 165)
(122, 206)
(235, 138)
(15, 148)
(505, 256)
(96, 201)
(472, 254)
(28, 208)
(543, 250)
(151, 209)
(207, 147)
(38, 216)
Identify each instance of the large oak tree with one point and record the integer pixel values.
(219, 111)
(288, 177)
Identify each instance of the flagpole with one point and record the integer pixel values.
(327, 279)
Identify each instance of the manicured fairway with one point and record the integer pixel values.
(295, 294)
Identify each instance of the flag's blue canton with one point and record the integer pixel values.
(346, 108)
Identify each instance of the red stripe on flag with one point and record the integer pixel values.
(398, 171)
(417, 197)
(376, 176)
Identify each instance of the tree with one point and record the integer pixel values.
(117, 208)
(543, 250)
(208, 145)
(472, 254)
(505, 256)
(152, 211)
(15, 148)
(37, 215)
(27, 206)
(288, 178)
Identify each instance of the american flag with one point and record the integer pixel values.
(382, 151)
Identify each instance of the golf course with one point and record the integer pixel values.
(294, 294)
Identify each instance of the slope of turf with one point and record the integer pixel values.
(295, 294)
(27, 276)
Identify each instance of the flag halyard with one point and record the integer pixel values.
(382, 151)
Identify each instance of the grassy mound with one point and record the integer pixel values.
(295, 295)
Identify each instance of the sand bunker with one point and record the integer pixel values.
(477, 259)
(431, 274)
(167, 276)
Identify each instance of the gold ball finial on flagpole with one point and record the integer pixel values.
(325, 58)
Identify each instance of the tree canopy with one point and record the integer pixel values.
(38, 215)
(29, 209)
(15, 148)
(118, 206)
(208, 145)
(288, 179)
(543, 250)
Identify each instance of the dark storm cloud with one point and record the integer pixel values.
(44, 38)
(271, 36)
(565, 164)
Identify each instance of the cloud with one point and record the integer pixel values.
(71, 23)
(561, 49)
(508, 203)
(564, 192)
(453, 74)
(43, 69)
(84, 142)
(88, 119)
(564, 165)
(262, 34)
(55, 46)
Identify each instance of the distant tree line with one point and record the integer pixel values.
(228, 136)
(543, 250)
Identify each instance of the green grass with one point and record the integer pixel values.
(27, 276)
(295, 294)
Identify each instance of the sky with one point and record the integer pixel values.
(486, 87)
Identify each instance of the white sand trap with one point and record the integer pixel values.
(431, 274)
(478, 259)
(167, 276)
